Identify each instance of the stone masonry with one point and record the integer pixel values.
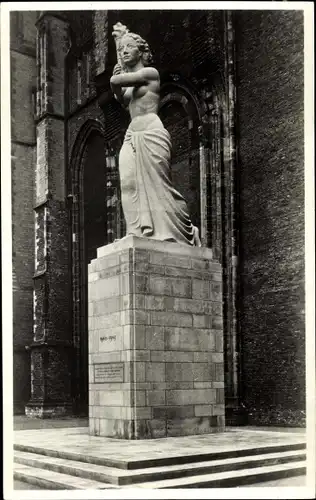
(155, 340)
(51, 350)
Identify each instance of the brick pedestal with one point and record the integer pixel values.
(155, 340)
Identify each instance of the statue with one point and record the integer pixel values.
(152, 207)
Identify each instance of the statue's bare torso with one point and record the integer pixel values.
(143, 97)
(139, 105)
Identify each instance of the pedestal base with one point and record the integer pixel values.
(51, 380)
(156, 365)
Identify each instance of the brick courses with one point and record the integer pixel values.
(51, 351)
(23, 157)
(270, 67)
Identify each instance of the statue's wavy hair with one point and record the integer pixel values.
(147, 57)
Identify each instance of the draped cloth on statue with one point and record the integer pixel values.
(151, 206)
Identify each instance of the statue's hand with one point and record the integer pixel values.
(119, 30)
(117, 69)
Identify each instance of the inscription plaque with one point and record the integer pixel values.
(108, 372)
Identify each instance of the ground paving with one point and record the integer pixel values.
(80, 442)
(287, 482)
(53, 434)
(21, 422)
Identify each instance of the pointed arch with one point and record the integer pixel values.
(89, 127)
(75, 195)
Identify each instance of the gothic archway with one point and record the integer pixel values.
(87, 195)
(181, 112)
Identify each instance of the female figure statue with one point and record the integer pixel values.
(152, 207)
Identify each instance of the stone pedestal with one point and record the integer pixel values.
(156, 364)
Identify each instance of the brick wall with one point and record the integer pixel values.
(271, 144)
(23, 73)
(23, 267)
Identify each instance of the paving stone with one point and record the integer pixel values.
(116, 476)
(80, 444)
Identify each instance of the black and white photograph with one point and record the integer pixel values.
(158, 249)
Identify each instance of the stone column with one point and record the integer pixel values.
(23, 149)
(235, 413)
(52, 344)
(155, 340)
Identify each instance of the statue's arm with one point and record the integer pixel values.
(118, 92)
(141, 77)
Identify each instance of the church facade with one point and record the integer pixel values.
(232, 98)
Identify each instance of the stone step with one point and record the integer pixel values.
(121, 477)
(129, 464)
(231, 478)
(50, 480)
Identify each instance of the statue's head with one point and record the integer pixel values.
(132, 47)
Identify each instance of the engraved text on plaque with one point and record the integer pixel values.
(108, 372)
